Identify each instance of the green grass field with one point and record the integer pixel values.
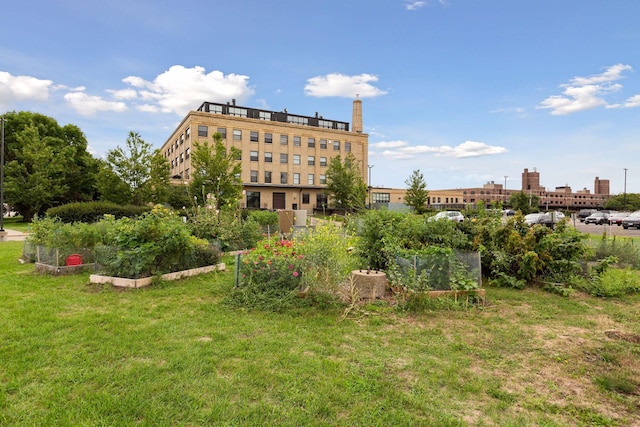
(15, 223)
(75, 354)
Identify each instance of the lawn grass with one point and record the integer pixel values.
(175, 354)
(16, 223)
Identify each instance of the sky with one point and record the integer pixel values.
(464, 91)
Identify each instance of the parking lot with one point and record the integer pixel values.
(611, 230)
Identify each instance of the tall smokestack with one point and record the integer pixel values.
(356, 117)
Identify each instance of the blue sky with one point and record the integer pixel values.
(466, 91)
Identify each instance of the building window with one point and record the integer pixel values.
(223, 132)
(284, 158)
(323, 144)
(310, 179)
(253, 156)
(381, 197)
(297, 120)
(311, 160)
(311, 142)
(327, 124)
(284, 139)
(203, 131)
(253, 199)
(215, 109)
(336, 145)
(322, 200)
(296, 159)
(296, 178)
(181, 157)
(254, 136)
(323, 179)
(297, 141)
(186, 174)
(188, 132)
(268, 157)
(283, 177)
(267, 177)
(238, 112)
(323, 161)
(268, 138)
(305, 198)
(341, 126)
(263, 115)
(254, 176)
(237, 135)
(347, 146)
(187, 152)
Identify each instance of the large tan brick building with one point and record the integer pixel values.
(284, 155)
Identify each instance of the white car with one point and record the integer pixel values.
(450, 215)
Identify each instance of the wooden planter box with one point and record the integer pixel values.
(146, 281)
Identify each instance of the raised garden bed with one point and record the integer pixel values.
(146, 281)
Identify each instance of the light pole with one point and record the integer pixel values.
(505, 189)
(370, 167)
(624, 197)
(2, 177)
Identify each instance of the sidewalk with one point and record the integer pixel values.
(10, 235)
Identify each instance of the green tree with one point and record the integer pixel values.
(622, 202)
(143, 170)
(35, 177)
(216, 172)
(525, 203)
(79, 168)
(111, 187)
(345, 184)
(417, 194)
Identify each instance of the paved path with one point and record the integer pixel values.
(12, 235)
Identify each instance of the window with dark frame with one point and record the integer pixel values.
(203, 131)
(253, 156)
(254, 136)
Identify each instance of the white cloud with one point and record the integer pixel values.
(466, 149)
(585, 93)
(341, 85)
(124, 94)
(88, 105)
(179, 89)
(389, 144)
(21, 88)
(414, 5)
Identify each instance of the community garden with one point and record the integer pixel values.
(538, 326)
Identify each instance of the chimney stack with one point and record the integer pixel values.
(356, 118)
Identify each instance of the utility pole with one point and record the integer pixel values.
(2, 177)
(370, 167)
(505, 189)
(624, 197)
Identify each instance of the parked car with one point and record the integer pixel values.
(583, 213)
(450, 215)
(533, 218)
(616, 218)
(632, 220)
(597, 218)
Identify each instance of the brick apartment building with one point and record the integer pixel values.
(284, 155)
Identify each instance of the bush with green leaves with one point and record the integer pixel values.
(328, 260)
(514, 253)
(626, 250)
(269, 276)
(157, 242)
(383, 233)
(224, 227)
(94, 211)
(264, 218)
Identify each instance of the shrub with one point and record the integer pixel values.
(269, 276)
(225, 228)
(94, 211)
(156, 243)
(614, 282)
(264, 218)
(327, 258)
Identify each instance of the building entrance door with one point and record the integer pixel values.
(279, 201)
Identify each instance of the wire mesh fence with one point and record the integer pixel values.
(441, 271)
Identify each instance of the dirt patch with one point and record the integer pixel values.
(624, 336)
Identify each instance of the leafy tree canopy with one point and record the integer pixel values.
(216, 172)
(345, 184)
(46, 164)
(621, 202)
(417, 194)
(525, 203)
(136, 170)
